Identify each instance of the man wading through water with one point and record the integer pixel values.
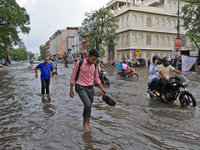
(88, 73)
(46, 73)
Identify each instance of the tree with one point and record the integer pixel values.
(100, 27)
(191, 13)
(42, 51)
(19, 54)
(13, 19)
(31, 55)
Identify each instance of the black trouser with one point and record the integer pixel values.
(163, 84)
(45, 85)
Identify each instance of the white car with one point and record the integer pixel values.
(34, 64)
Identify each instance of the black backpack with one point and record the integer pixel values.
(80, 63)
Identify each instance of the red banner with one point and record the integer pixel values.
(178, 44)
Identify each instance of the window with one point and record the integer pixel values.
(122, 22)
(134, 20)
(168, 41)
(148, 40)
(141, 21)
(162, 41)
(134, 39)
(127, 40)
(141, 40)
(148, 22)
(156, 40)
(127, 21)
(156, 23)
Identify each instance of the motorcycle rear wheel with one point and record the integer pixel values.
(187, 99)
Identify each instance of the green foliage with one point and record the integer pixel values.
(42, 52)
(191, 13)
(13, 19)
(19, 54)
(3, 52)
(40, 58)
(100, 26)
(31, 55)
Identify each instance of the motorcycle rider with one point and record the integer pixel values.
(153, 76)
(124, 68)
(163, 76)
(100, 66)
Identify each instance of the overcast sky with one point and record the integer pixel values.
(47, 16)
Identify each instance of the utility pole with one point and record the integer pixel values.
(178, 22)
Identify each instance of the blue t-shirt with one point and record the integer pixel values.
(45, 70)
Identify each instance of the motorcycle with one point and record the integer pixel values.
(55, 71)
(129, 73)
(103, 78)
(176, 88)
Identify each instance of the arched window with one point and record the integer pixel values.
(156, 23)
(127, 21)
(141, 40)
(148, 40)
(134, 18)
(156, 40)
(134, 39)
(141, 21)
(122, 22)
(128, 40)
(148, 21)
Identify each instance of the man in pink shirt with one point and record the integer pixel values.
(84, 84)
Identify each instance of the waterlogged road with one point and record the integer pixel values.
(29, 122)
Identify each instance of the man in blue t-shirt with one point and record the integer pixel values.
(46, 73)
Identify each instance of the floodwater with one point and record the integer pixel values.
(29, 122)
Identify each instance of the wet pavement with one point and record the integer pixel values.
(29, 122)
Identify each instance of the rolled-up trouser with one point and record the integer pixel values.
(163, 84)
(45, 85)
(86, 95)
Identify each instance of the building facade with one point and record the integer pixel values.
(147, 25)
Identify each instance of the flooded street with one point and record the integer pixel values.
(29, 122)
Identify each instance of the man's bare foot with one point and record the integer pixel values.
(86, 127)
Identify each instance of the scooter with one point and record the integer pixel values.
(176, 88)
(130, 73)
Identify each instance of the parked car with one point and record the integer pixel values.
(34, 64)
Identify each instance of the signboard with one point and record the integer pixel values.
(178, 44)
(187, 62)
(194, 53)
(137, 51)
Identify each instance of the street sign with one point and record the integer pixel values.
(137, 51)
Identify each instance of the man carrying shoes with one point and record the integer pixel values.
(87, 74)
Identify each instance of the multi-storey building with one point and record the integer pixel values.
(47, 45)
(148, 25)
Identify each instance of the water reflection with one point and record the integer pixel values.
(87, 138)
(47, 107)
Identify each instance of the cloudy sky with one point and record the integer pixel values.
(47, 16)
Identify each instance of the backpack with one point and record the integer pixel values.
(80, 63)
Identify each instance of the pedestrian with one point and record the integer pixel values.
(149, 62)
(84, 76)
(46, 73)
